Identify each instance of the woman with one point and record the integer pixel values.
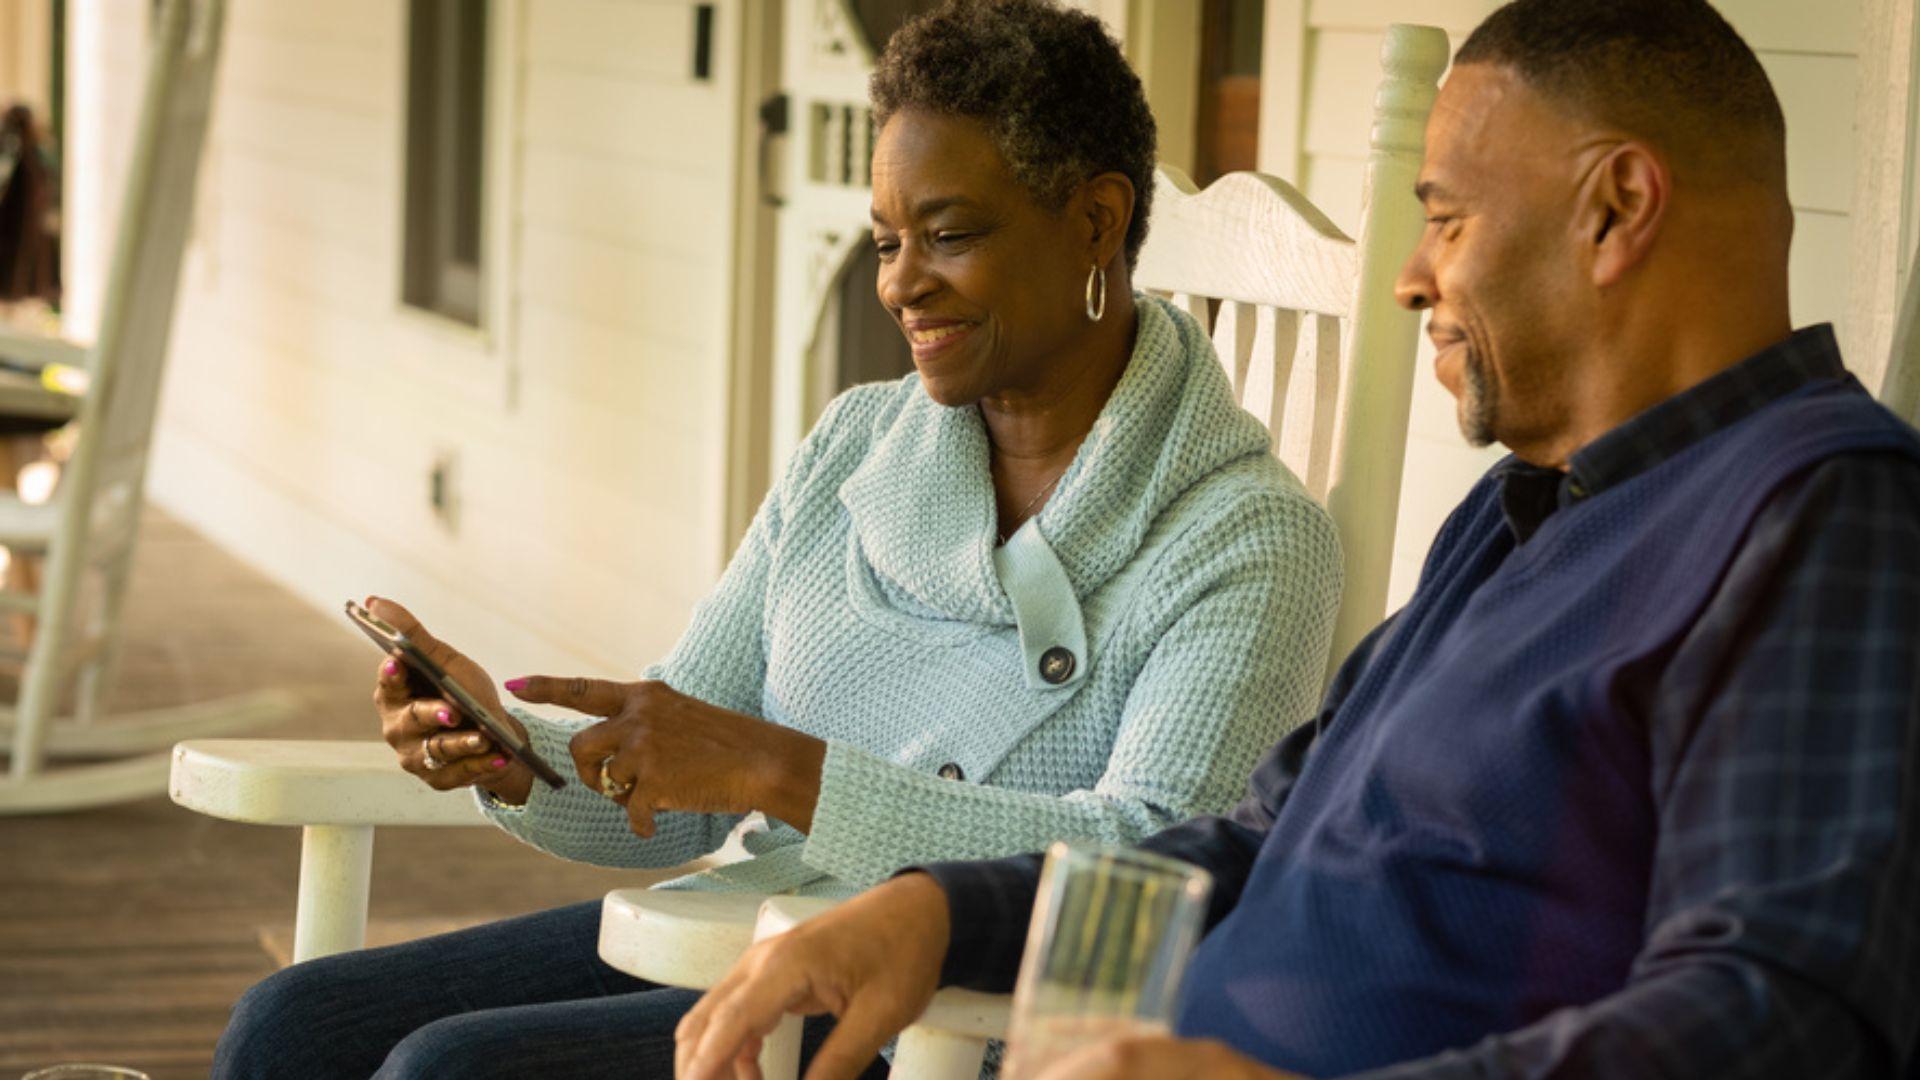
(1051, 585)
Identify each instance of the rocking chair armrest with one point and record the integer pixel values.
(32, 352)
(689, 938)
(949, 1040)
(338, 792)
(310, 782)
(677, 937)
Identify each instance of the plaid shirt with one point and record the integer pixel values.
(1785, 729)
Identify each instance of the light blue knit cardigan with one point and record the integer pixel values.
(1191, 578)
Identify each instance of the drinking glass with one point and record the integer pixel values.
(1112, 930)
(79, 1071)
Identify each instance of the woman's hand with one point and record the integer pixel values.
(435, 742)
(663, 750)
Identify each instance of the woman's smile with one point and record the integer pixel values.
(935, 337)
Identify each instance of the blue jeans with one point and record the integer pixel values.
(524, 997)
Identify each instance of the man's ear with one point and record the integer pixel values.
(1107, 203)
(1623, 205)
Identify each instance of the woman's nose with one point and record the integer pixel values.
(905, 280)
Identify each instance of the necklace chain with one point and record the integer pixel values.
(1035, 501)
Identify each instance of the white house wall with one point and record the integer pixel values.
(305, 408)
(1811, 52)
(26, 34)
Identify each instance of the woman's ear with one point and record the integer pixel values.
(1623, 206)
(1107, 202)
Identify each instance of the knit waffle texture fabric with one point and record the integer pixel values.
(1186, 570)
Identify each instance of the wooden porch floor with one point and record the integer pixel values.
(125, 933)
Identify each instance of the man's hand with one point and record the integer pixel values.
(873, 962)
(1159, 1057)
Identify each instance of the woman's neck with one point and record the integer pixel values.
(1035, 433)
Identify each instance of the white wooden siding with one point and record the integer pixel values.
(26, 39)
(1809, 50)
(305, 407)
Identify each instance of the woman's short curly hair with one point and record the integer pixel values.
(1048, 82)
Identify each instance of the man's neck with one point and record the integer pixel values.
(1644, 364)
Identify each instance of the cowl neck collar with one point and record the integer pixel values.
(922, 504)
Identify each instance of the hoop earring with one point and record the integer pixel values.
(1096, 293)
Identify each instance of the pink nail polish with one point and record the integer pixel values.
(445, 719)
(499, 763)
(516, 685)
(389, 668)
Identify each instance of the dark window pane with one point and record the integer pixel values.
(878, 19)
(446, 157)
(1228, 117)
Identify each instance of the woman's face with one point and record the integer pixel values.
(987, 285)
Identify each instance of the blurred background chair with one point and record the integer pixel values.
(86, 528)
(29, 300)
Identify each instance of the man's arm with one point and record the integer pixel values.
(991, 902)
(1786, 746)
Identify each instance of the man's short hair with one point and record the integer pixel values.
(1672, 72)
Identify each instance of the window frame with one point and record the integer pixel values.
(436, 339)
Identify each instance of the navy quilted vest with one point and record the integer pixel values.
(1470, 844)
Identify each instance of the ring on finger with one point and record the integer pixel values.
(427, 760)
(609, 786)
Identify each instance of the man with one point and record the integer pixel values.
(1629, 787)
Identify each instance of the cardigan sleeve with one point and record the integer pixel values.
(719, 659)
(580, 824)
(1240, 610)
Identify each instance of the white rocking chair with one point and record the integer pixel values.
(86, 531)
(1900, 383)
(1315, 346)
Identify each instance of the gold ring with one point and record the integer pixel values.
(610, 787)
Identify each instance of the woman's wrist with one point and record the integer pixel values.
(511, 786)
(791, 779)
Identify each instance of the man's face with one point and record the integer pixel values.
(1499, 265)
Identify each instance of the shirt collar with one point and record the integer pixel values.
(1530, 493)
